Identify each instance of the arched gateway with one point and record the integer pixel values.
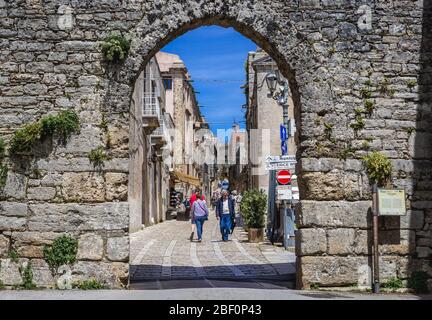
(338, 55)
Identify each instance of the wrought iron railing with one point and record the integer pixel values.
(150, 105)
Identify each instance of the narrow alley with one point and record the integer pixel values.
(162, 256)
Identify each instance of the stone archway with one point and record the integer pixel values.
(50, 61)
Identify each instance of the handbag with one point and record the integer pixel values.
(205, 217)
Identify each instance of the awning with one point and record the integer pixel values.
(182, 177)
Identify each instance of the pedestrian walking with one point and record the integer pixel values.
(194, 196)
(225, 213)
(199, 215)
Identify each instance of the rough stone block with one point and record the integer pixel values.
(118, 249)
(42, 276)
(90, 247)
(30, 251)
(331, 270)
(311, 241)
(116, 186)
(34, 238)
(114, 274)
(89, 138)
(334, 214)
(41, 193)
(15, 186)
(347, 241)
(87, 187)
(396, 241)
(15, 209)
(12, 223)
(4, 246)
(76, 217)
(9, 271)
(333, 185)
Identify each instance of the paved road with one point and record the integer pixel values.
(162, 256)
(226, 294)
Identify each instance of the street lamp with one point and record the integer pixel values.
(272, 81)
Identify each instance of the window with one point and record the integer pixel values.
(167, 83)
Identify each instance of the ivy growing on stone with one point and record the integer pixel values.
(63, 125)
(62, 251)
(378, 167)
(115, 48)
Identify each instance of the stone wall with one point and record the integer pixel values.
(50, 60)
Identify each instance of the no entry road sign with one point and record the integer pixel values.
(283, 176)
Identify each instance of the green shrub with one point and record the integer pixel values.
(378, 167)
(24, 138)
(63, 124)
(27, 277)
(393, 283)
(115, 48)
(253, 208)
(67, 124)
(2, 286)
(62, 251)
(97, 156)
(418, 282)
(89, 285)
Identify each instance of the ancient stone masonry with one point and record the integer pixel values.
(341, 57)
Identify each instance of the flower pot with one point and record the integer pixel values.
(256, 234)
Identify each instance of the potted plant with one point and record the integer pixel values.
(253, 208)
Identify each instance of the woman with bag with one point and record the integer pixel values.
(199, 215)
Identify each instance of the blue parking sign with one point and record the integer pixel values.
(284, 147)
(283, 133)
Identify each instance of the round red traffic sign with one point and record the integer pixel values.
(283, 176)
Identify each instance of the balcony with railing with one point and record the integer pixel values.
(150, 112)
(158, 136)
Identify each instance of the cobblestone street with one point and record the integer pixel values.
(164, 252)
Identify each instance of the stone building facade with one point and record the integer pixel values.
(334, 53)
(187, 119)
(263, 118)
(151, 149)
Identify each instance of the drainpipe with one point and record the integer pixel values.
(376, 281)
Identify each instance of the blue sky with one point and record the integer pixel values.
(215, 58)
